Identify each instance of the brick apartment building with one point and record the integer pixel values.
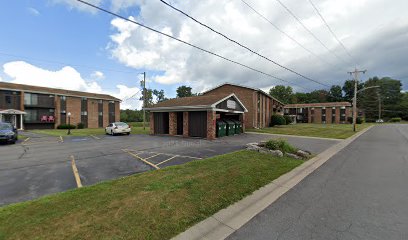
(331, 112)
(32, 107)
(261, 106)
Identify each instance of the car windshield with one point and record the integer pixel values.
(121, 124)
(5, 126)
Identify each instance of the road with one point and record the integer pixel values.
(42, 165)
(360, 193)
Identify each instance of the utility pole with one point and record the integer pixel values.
(379, 106)
(144, 100)
(355, 73)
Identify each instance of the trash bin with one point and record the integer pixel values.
(230, 127)
(221, 128)
(238, 126)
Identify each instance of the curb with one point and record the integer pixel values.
(287, 135)
(228, 220)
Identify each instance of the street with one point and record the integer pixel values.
(360, 193)
(43, 164)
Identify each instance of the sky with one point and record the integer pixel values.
(66, 44)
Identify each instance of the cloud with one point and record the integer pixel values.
(73, 4)
(66, 78)
(33, 11)
(136, 47)
(97, 75)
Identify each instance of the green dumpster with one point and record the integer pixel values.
(221, 128)
(238, 126)
(230, 127)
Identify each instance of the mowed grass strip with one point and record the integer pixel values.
(338, 131)
(153, 205)
(85, 131)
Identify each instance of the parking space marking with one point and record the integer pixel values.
(61, 139)
(25, 140)
(141, 159)
(168, 159)
(36, 143)
(75, 171)
(152, 156)
(167, 154)
(95, 137)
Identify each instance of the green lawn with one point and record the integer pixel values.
(85, 132)
(138, 124)
(340, 131)
(152, 205)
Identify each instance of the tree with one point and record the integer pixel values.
(149, 97)
(318, 96)
(284, 94)
(336, 94)
(184, 91)
(348, 89)
(159, 95)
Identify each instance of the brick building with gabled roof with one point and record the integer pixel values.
(329, 112)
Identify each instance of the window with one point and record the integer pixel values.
(31, 116)
(30, 99)
(63, 98)
(51, 110)
(8, 99)
(323, 115)
(84, 113)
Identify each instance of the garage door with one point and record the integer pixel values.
(197, 122)
(161, 123)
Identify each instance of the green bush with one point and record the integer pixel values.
(359, 120)
(287, 119)
(66, 126)
(80, 126)
(397, 119)
(280, 144)
(277, 120)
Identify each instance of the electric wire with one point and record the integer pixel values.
(241, 45)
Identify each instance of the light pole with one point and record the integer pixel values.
(69, 123)
(144, 100)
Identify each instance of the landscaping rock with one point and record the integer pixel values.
(272, 152)
(252, 146)
(262, 144)
(303, 154)
(293, 156)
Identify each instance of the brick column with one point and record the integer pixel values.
(151, 123)
(172, 123)
(211, 118)
(242, 120)
(185, 124)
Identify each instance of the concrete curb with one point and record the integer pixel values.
(228, 220)
(296, 136)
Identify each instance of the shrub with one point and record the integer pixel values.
(66, 126)
(397, 119)
(280, 144)
(359, 120)
(277, 120)
(80, 126)
(287, 119)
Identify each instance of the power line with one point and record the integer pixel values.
(241, 45)
(186, 43)
(286, 34)
(309, 31)
(331, 31)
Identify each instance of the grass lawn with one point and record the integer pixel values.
(340, 131)
(138, 124)
(152, 205)
(86, 131)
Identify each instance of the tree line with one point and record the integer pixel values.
(382, 94)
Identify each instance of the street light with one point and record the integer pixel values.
(69, 123)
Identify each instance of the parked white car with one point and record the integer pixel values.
(117, 128)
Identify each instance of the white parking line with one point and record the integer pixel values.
(152, 156)
(95, 137)
(141, 159)
(167, 160)
(167, 154)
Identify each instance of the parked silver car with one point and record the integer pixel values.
(118, 128)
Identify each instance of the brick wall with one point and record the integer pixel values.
(93, 117)
(318, 115)
(172, 123)
(151, 123)
(105, 113)
(211, 125)
(57, 112)
(117, 111)
(185, 124)
(74, 107)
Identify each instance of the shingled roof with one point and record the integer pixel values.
(195, 102)
(45, 90)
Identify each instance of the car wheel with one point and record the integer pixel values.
(13, 142)
(128, 133)
(113, 134)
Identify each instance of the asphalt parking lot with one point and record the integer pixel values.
(44, 165)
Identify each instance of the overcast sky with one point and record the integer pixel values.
(65, 44)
